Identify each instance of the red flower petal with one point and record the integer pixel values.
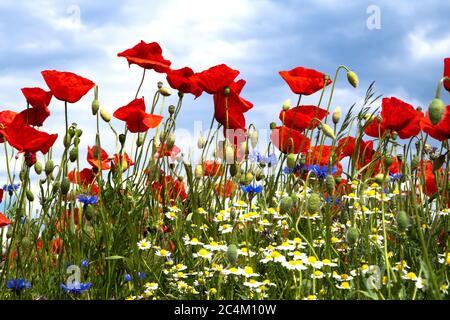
(6, 118)
(304, 81)
(440, 131)
(147, 56)
(183, 81)
(447, 73)
(67, 86)
(4, 221)
(93, 158)
(33, 116)
(302, 117)
(137, 120)
(215, 79)
(37, 97)
(289, 140)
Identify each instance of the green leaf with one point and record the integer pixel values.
(114, 258)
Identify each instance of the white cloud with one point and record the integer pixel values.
(423, 47)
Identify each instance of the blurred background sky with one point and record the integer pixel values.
(403, 54)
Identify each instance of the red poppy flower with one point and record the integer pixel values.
(212, 168)
(137, 120)
(147, 56)
(304, 81)
(126, 161)
(57, 246)
(302, 117)
(33, 116)
(183, 81)
(4, 221)
(6, 118)
(440, 131)
(289, 140)
(447, 73)
(27, 139)
(37, 98)
(67, 86)
(1, 195)
(233, 101)
(346, 147)
(430, 178)
(397, 116)
(172, 188)
(215, 79)
(93, 158)
(85, 177)
(163, 151)
(226, 189)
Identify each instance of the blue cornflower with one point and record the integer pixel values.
(141, 275)
(270, 160)
(127, 278)
(87, 199)
(11, 187)
(251, 189)
(254, 156)
(330, 200)
(395, 176)
(287, 170)
(85, 263)
(321, 171)
(76, 287)
(17, 285)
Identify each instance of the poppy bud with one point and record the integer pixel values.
(226, 91)
(30, 195)
(302, 162)
(170, 142)
(229, 154)
(73, 154)
(198, 171)
(105, 115)
(232, 253)
(291, 160)
(139, 141)
(67, 140)
(200, 142)
(38, 167)
(72, 130)
(328, 131)
(438, 162)
(159, 84)
(171, 109)
(313, 203)
(436, 110)
(336, 115)
(165, 91)
(388, 160)
(234, 169)
(244, 148)
(253, 136)
(286, 205)
(394, 135)
(352, 235)
(352, 78)
(402, 220)
(122, 138)
(330, 183)
(414, 163)
(273, 125)
(286, 104)
(249, 177)
(55, 187)
(65, 186)
(95, 106)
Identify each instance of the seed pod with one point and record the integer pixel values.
(226, 91)
(65, 186)
(402, 220)
(273, 125)
(353, 79)
(286, 104)
(232, 254)
(105, 115)
(95, 106)
(30, 195)
(73, 154)
(67, 140)
(171, 109)
(286, 205)
(38, 167)
(336, 115)
(198, 172)
(436, 110)
(330, 183)
(122, 138)
(159, 84)
(313, 203)
(352, 235)
(165, 91)
(328, 131)
(291, 160)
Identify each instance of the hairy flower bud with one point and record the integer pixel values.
(353, 79)
(165, 91)
(38, 167)
(286, 104)
(328, 131)
(198, 173)
(402, 220)
(95, 106)
(65, 186)
(291, 160)
(336, 115)
(30, 195)
(49, 167)
(352, 235)
(286, 205)
(73, 155)
(232, 254)
(330, 183)
(436, 110)
(313, 203)
(105, 115)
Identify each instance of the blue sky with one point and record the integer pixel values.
(260, 38)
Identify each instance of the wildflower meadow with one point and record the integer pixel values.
(319, 204)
